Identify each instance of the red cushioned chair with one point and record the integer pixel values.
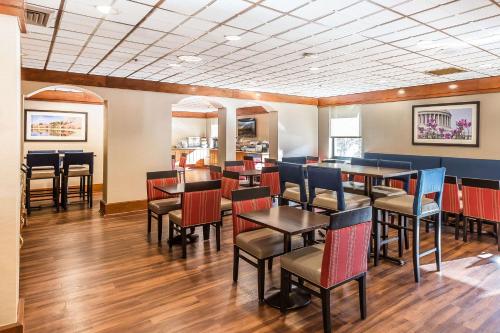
(270, 177)
(249, 162)
(200, 207)
(341, 259)
(481, 199)
(182, 167)
(215, 172)
(257, 242)
(235, 166)
(452, 202)
(160, 203)
(270, 162)
(230, 183)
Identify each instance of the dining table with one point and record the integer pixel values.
(289, 221)
(251, 175)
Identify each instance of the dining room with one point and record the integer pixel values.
(250, 166)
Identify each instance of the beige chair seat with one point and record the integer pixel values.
(264, 243)
(305, 262)
(225, 204)
(380, 191)
(78, 170)
(404, 204)
(293, 193)
(175, 216)
(354, 187)
(163, 206)
(42, 173)
(328, 200)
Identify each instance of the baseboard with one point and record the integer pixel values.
(17, 327)
(122, 207)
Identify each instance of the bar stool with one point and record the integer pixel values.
(200, 206)
(77, 165)
(62, 152)
(160, 203)
(42, 166)
(215, 172)
(418, 208)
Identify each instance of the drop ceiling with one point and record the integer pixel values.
(359, 45)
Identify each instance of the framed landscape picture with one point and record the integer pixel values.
(55, 126)
(453, 124)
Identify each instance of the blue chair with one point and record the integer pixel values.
(293, 184)
(333, 199)
(356, 184)
(418, 208)
(297, 160)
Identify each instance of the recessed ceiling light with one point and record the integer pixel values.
(453, 86)
(175, 65)
(314, 69)
(310, 55)
(401, 91)
(189, 58)
(105, 9)
(233, 37)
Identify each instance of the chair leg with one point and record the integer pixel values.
(170, 234)
(82, 188)
(458, 218)
(270, 264)
(401, 236)
(90, 191)
(479, 229)
(261, 272)
(407, 238)
(466, 222)
(362, 296)
(206, 231)
(160, 228)
(217, 235)
(184, 243)
(325, 305)
(236, 262)
(437, 241)
(56, 192)
(285, 281)
(149, 222)
(64, 194)
(377, 237)
(416, 248)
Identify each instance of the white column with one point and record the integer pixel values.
(10, 155)
(227, 135)
(273, 135)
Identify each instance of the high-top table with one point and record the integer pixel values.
(289, 221)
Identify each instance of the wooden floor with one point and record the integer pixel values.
(81, 272)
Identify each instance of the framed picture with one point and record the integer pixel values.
(55, 126)
(453, 124)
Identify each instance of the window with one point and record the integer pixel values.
(345, 130)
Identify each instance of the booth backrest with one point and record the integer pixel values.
(417, 162)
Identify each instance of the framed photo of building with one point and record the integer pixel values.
(55, 126)
(452, 124)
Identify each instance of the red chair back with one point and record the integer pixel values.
(183, 160)
(270, 162)
(451, 196)
(230, 182)
(346, 246)
(481, 198)
(215, 172)
(201, 203)
(249, 200)
(235, 166)
(270, 177)
(160, 178)
(248, 162)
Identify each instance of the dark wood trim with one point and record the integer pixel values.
(17, 327)
(250, 110)
(82, 97)
(15, 8)
(30, 74)
(188, 114)
(56, 30)
(465, 87)
(122, 207)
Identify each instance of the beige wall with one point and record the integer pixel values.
(10, 155)
(184, 127)
(94, 135)
(139, 134)
(386, 128)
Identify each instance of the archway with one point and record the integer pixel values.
(57, 100)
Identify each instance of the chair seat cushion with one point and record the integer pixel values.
(354, 187)
(264, 243)
(305, 262)
(404, 204)
(380, 191)
(42, 174)
(175, 216)
(293, 193)
(163, 206)
(328, 200)
(77, 170)
(225, 204)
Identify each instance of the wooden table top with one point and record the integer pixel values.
(376, 172)
(287, 220)
(250, 173)
(172, 189)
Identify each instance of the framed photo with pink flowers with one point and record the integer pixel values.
(452, 124)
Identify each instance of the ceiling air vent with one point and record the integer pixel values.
(445, 71)
(37, 16)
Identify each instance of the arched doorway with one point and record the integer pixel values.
(64, 100)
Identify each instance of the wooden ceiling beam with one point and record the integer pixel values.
(14, 8)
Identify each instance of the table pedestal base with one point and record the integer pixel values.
(297, 298)
(191, 238)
